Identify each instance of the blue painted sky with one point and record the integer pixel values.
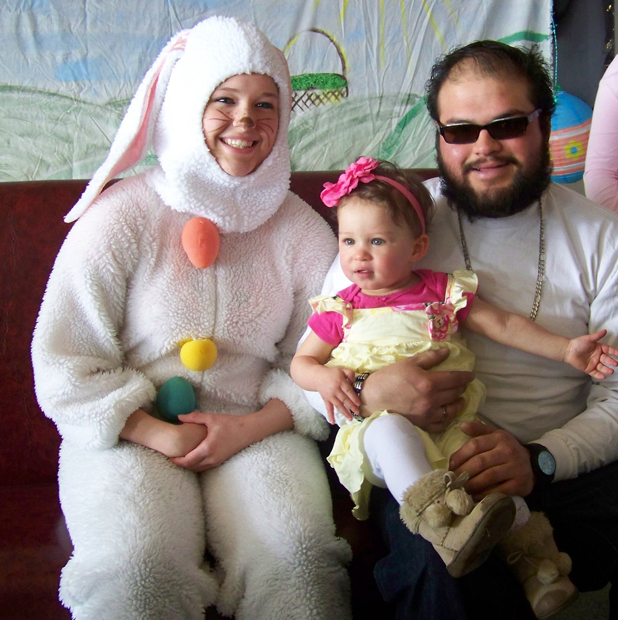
(100, 50)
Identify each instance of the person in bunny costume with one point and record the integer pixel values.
(126, 290)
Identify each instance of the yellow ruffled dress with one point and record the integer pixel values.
(376, 337)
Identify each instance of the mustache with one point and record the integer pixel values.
(501, 160)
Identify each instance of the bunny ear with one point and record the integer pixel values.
(134, 134)
(286, 69)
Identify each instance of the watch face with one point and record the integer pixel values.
(546, 463)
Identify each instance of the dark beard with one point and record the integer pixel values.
(526, 189)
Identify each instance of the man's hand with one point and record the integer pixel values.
(429, 399)
(495, 460)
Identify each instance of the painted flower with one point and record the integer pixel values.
(348, 180)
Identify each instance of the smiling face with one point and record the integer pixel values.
(240, 122)
(491, 178)
(375, 252)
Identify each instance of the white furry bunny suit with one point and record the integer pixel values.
(121, 296)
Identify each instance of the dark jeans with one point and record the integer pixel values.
(584, 514)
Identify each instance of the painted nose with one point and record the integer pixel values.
(244, 120)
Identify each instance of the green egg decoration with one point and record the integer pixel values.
(176, 397)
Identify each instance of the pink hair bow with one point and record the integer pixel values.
(348, 180)
(360, 171)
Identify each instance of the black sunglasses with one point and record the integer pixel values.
(500, 129)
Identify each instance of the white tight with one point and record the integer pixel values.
(396, 458)
(396, 454)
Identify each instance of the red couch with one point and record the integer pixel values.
(34, 543)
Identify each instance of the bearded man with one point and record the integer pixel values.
(538, 249)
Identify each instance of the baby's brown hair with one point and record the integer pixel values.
(398, 206)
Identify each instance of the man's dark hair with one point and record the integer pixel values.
(492, 58)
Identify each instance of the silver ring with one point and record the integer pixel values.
(443, 414)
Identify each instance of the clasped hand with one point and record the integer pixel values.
(228, 434)
(225, 436)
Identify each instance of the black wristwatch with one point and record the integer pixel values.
(543, 464)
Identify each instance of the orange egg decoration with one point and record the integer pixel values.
(200, 240)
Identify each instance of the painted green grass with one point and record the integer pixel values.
(44, 135)
(524, 36)
(331, 136)
(320, 81)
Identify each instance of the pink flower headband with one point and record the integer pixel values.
(360, 170)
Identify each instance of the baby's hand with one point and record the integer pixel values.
(587, 354)
(337, 392)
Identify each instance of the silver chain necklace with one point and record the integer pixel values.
(541, 268)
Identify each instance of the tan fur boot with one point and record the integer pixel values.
(463, 541)
(534, 557)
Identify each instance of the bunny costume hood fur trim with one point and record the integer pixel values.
(167, 112)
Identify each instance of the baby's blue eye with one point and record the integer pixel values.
(347, 241)
(377, 241)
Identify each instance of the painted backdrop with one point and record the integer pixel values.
(68, 69)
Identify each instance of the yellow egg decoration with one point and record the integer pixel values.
(198, 355)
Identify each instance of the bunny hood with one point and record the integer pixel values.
(166, 113)
(189, 178)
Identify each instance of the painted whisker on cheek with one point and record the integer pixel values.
(267, 126)
(217, 123)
